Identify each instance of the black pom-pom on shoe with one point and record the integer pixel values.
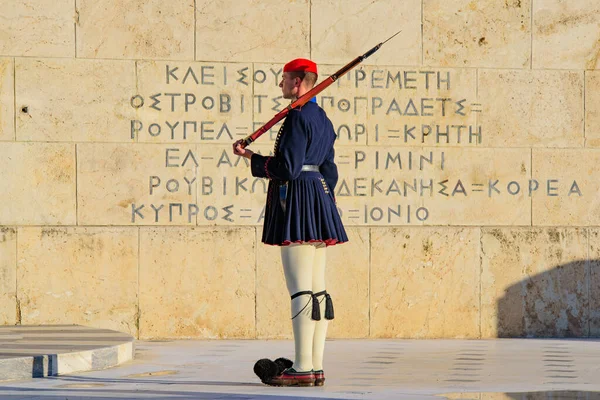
(266, 369)
(283, 364)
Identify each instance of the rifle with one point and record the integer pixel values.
(305, 98)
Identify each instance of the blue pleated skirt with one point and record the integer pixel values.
(310, 213)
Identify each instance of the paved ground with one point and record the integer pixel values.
(355, 369)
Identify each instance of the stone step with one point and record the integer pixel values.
(33, 351)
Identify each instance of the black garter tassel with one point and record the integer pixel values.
(328, 307)
(328, 304)
(316, 308)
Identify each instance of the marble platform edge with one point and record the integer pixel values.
(53, 362)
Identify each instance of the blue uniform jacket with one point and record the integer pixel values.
(307, 137)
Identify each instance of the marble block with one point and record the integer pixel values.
(151, 29)
(252, 31)
(532, 108)
(76, 275)
(72, 100)
(425, 283)
(197, 283)
(468, 33)
(37, 28)
(39, 182)
(566, 34)
(568, 192)
(342, 31)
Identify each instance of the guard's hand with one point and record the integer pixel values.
(238, 150)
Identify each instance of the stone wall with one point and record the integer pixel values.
(468, 152)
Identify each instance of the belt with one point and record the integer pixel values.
(311, 168)
(283, 185)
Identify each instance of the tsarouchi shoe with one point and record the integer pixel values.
(319, 378)
(291, 377)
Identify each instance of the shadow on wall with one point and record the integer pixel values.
(561, 302)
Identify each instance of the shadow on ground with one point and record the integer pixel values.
(549, 395)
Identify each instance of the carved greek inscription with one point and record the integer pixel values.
(394, 129)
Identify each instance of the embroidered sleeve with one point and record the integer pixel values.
(259, 166)
(267, 168)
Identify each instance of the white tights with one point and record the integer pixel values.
(304, 269)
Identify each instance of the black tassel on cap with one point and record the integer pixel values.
(328, 307)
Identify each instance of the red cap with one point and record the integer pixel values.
(300, 65)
